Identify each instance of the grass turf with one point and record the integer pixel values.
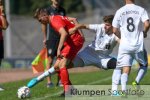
(40, 92)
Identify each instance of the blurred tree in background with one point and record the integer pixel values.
(73, 6)
(27, 7)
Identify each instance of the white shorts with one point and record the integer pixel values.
(126, 59)
(92, 57)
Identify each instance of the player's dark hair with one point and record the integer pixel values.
(108, 19)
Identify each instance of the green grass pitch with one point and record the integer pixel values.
(40, 92)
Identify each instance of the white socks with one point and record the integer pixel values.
(46, 73)
(142, 71)
(115, 79)
(124, 80)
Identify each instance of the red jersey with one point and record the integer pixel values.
(1, 35)
(73, 42)
(58, 22)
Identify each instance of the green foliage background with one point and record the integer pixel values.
(27, 7)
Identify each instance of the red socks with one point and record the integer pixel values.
(64, 75)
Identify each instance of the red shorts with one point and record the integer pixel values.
(70, 49)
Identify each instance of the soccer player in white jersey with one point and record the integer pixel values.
(133, 23)
(98, 52)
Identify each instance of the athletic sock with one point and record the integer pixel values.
(124, 80)
(65, 78)
(115, 79)
(141, 73)
(46, 73)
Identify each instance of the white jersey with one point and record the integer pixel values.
(129, 19)
(102, 42)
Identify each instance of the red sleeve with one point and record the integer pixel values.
(58, 22)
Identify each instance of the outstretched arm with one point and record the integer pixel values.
(77, 27)
(63, 36)
(4, 23)
(3, 18)
(75, 21)
(44, 30)
(116, 32)
(81, 26)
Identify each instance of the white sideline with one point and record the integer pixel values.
(90, 83)
(43, 98)
(55, 94)
(99, 81)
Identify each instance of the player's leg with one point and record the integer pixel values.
(81, 57)
(124, 80)
(126, 63)
(1, 57)
(142, 59)
(59, 83)
(124, 77)
(1, 51)
(69, 52)
(49, 82)
(1, 89)
(124, 60)
(86, 57)
(50, 53)
(78, 62)
(115, 81)
(141, 73)
(116, 76)
(52, 45)
(112, 63)
(68, 66)
(107, 62)
(64, 75)
(51, 71)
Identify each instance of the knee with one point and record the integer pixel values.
(143, 66)
(48, 65)
(112, 63)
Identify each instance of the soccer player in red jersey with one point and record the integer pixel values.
(3, 26)
(68, 47)
(51, 38)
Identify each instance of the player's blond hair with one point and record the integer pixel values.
(40, 11)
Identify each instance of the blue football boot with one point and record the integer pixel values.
(32, 83)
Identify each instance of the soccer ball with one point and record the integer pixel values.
(23, 92)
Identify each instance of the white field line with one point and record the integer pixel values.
(52, 95)
(100, 81)
(55, 94)
(90, 83)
